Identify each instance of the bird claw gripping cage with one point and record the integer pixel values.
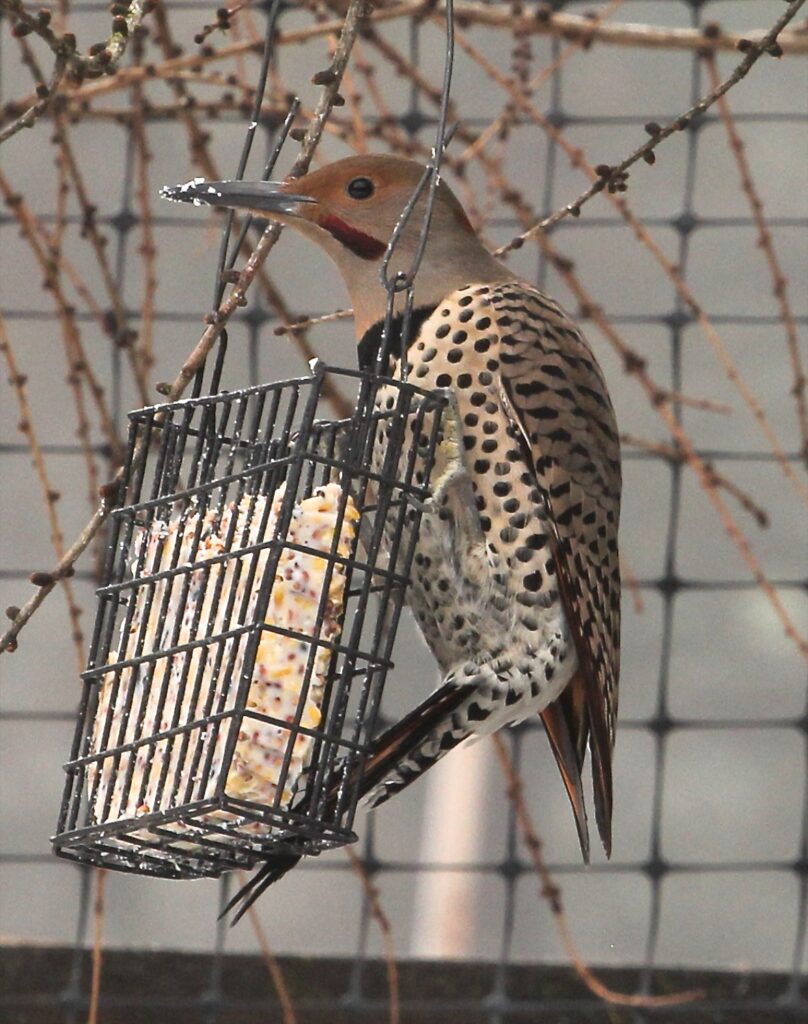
(253, 583)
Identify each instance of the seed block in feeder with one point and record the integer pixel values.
(179, 695)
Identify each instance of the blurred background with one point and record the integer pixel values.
(710, 862)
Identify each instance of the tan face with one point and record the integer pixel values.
(358, 202)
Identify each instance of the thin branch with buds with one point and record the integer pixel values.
(551, 893)
(103, 60)
(615, 178)
(218, 319)
(766, 243)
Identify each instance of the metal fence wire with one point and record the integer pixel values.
(207, 981)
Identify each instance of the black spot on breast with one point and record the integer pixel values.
(459, 337)
(471, 419)
(443, 380)
(455, 355)
(482, 345)
(442, 331)
(489, 445)
(532, 582)
(464, 380)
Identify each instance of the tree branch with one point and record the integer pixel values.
(614, 179)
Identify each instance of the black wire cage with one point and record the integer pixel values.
(254, 579)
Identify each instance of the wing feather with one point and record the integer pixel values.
(556, 396)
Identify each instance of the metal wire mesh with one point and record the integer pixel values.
(198, 554)
(505, 996)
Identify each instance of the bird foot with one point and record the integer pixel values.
(451, 469)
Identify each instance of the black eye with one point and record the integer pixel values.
(361, 188)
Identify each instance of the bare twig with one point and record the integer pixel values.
(551, 893)
(273, 967)
(578, 160)
(102, 61)
(766, 242)
(100, 876)
(672, 453)
(143, 354)
(313, 321)
(19, 382)
(8, 641)
(378, 914)
(614, 178)
(540, 79)
(80, 365)
(45, 93)
(704, 473)
(238, 295)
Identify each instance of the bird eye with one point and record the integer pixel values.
(361, 188)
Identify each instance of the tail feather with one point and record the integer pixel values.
(382, 772)
(411, 746)
(566, 724)
(270, 872)
(397, 757)
(600, 747)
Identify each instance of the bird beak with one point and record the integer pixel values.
(270, 198)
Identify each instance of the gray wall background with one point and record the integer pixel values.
(733, 799)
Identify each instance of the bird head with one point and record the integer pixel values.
(351, 208)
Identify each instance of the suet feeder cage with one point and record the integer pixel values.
(254, 579)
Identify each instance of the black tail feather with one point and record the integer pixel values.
(567, 726)
(385, 752)
(270, 872)
(402, 738)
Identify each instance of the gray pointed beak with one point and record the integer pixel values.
(265, 196)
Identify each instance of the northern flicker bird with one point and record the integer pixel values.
(516, 581)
